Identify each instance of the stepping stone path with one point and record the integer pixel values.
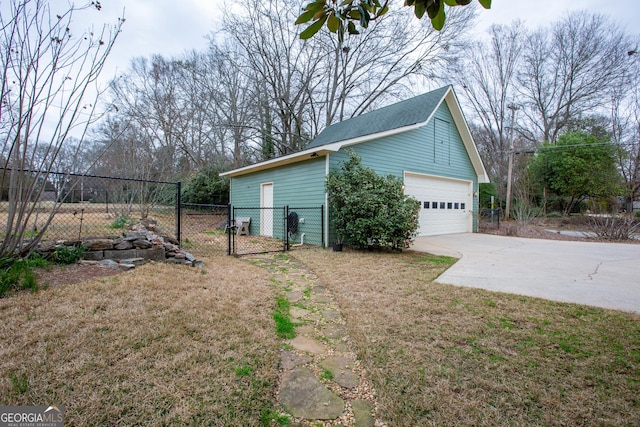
(321, 381)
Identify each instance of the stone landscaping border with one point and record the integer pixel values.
(140, 243)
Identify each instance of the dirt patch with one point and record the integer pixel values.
(529, 232)
(549, 229)
(69, 274)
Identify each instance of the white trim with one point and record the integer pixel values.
(326, 202)
(284, 160)
(467, 138)
(365, 138)
(427, 175)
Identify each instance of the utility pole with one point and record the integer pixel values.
(513, 108)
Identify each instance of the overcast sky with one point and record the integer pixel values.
(170, 27)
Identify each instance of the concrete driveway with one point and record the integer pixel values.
(598, 274)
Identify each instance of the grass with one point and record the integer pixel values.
(215, 233)
(20, 383)
(18, 275)
(445, 355)
(144, 348)
(285, 328)
(326, 375)
(270, 416)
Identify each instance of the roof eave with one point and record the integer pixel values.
(317, 151)
(467, 139)
(280, 161)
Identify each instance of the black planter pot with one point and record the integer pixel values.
(337, 247)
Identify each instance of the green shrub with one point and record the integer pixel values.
(17, 274)
(120, 222)
(488, 190)
(207, 187)
(370, 210)
(67, 254)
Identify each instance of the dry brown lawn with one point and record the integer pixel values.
(444, 355)
(167, 345)
(161, 345)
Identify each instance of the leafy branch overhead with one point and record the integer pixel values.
(341, 17)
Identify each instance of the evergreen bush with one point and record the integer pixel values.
(369, 210)
(207, 187)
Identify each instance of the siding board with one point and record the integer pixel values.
(414, 151)
(419, 151)
(298, 185)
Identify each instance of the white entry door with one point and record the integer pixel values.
(446, 205)
(266, 215)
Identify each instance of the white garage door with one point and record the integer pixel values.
(445, 204)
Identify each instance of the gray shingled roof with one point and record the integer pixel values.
(401, 114)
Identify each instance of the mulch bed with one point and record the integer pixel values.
(73, 273)
(542, 232)
(529, 232)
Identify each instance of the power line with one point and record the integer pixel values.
(558, 147)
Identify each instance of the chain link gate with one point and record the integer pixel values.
(277, 229)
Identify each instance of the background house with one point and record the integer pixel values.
(424, 140)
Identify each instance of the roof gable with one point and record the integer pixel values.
(395, 116)
(394, 119)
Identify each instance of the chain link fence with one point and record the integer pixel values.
(490, 219)
(204, 230)
(74, 206)
(208, 230)
(261, 230)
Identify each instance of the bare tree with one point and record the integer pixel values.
(309, 84)
(568, 69)
(196, 109)
(234, 90)
(625, 120)
(289, 71)
(123, 149)
(149, 98)
(71, 159)
(386, 63)
(488, 75)
(48, 72)
(200, 127)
